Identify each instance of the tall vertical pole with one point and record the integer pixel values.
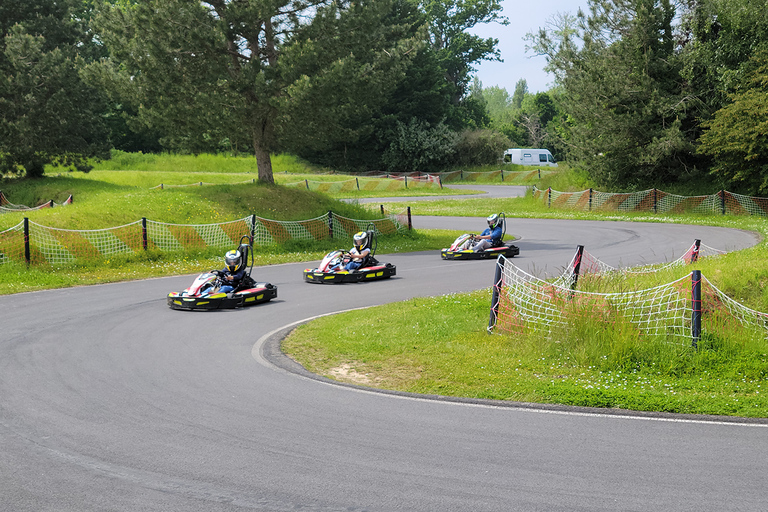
(695, 252)
(722, 201)
(27, 252)
(655, 201)
(577, 266)
(358, 183)
(410, 224)
(144, 237)
(382, 209)
(696, 307)
(253, 228)
(590, 199)
(498, 282)
(549, 197)
(330, 223)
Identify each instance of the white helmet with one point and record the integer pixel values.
(232, 260)
(360, 238)
(493, 221)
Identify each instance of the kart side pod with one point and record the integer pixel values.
(508, 251)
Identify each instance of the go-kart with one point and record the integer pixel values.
(461, 248)
(370, 270)
(204, 294)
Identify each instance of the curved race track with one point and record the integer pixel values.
(111, 401)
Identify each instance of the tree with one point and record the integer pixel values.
(251, 71)
(48, 114)
(358, 142)
(626, 106)
(737, 136)
(718, 37)
(459, 51)
(521, 89)
(420, 147)
(498, 103)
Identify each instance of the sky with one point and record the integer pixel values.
(524, 16)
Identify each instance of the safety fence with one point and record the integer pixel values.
(199, 184)
(6, 206)
(37, 244)
(501, 175)
(375, 181)
(685, 309)
(654, 200)
(372, 183)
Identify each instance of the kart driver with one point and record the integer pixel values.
(233, 271)
(491, 237)
(358, 253)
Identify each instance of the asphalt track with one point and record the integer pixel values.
(109, 400)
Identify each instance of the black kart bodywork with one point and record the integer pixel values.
(203, 294)
(371, 269)
(459, 250)
(508, 251)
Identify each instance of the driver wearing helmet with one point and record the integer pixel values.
(233, 271)
(491, 237)
(359, 252)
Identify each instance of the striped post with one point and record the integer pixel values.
(577, 266)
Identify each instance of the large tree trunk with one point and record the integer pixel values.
(263, 161)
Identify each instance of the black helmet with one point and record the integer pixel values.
(493, 221)
(232, 260)
(361, 238)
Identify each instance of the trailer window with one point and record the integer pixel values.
(527, 157)
(542, 157)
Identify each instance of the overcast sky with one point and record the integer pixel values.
(524, 16)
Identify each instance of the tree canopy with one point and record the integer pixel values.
(737, 136)
(47, 113)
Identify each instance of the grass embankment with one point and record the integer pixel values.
(110, 198)
(440, 346)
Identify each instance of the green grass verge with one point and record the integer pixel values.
(439, 346)
(17, 277)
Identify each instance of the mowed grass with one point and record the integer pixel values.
(439, 345)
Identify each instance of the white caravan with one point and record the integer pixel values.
(540, 157)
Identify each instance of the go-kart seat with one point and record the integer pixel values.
(247, 281)
(369, 260)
